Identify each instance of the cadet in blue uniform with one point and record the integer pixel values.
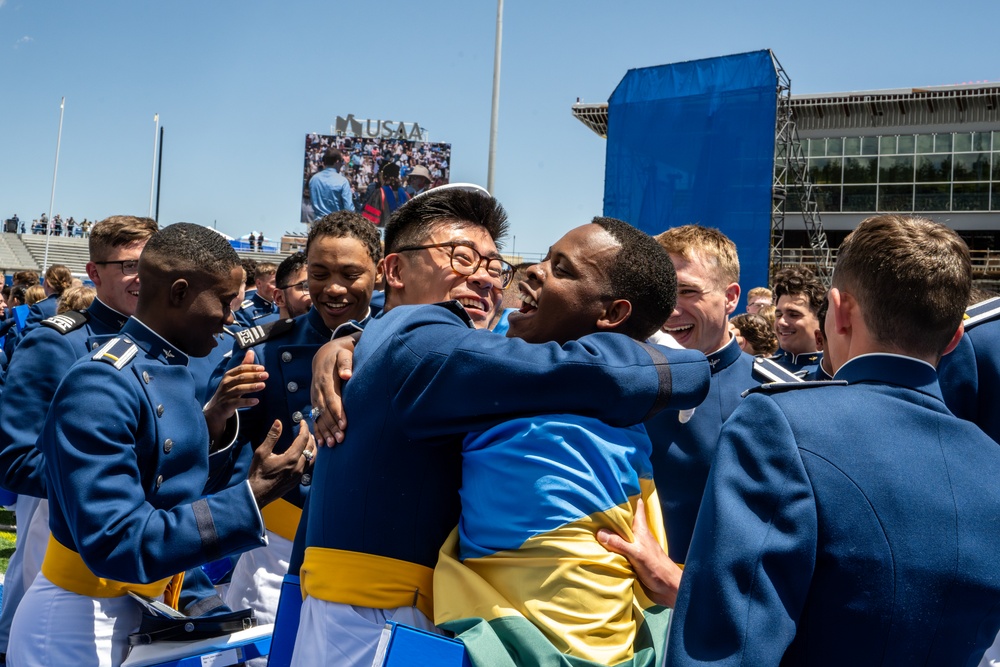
(258, 308)
(44, 356)
(970, 375)
(535, 489)
(125, 435)
(383, 503)
(867, 536)
(708, 274)
(343, 251)
(57, 279)
(799, 296)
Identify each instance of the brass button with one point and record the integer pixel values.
(168, 444)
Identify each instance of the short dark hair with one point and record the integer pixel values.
(342, 224)
(911, 278)
(332, 157)
(250, 269)
(117, 231)
(643, 274)
(290, 265)
(412, 222)
(796, 280)
(185, 246)
(758, 332)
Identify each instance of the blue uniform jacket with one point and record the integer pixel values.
(43, 358)
(208, 370)
(807, 361)
(255, 310)
(970, 377)
(126, 450)
(424, 378)
(869, 535)
(287, 356)
(683, 451)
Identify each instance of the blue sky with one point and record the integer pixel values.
(239, 84)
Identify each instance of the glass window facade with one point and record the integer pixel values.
(957, 171)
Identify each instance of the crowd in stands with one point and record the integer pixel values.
(43, 225)
(365, 158)
(591, 460)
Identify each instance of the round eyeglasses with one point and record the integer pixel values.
(466, 260)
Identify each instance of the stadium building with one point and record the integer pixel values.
(932, 151)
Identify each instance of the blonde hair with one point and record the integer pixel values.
(34, 294)
(691, 241)
(760, 291)
(76, 298)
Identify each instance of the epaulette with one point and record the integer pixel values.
(766, 369)
(68, 321)
(457, 308)
(984, 311)
(248, 303)
(263, 332)
(777, 387)
(118, 352)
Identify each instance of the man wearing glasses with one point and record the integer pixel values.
(291, 294)
(43, 357)
(384, 502)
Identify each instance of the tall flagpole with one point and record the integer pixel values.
(52, 199)
(152, 176)
(496, 99)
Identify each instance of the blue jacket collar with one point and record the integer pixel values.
(315, 320)
(803, 359)
(106, 314)
(725, 357)
(885, 368)
(153, 344)
(260, 301)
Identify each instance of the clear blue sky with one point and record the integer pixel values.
(239, 84)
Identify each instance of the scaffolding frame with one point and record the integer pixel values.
(791, 179)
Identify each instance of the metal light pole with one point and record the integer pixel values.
(496, 99)
(152, 176)
(52, 199)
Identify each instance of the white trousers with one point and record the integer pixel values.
(55, 627)
(345, 635)
(256, 582)
(32, 515)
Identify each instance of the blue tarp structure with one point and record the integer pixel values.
(693, 142)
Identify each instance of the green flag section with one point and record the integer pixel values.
(560, 600)
(513, 641)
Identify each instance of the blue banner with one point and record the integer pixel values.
(693, 143)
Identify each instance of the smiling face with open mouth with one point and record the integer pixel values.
(796, 324)
(115, 289)
(426, 275)
(700, 319)
(341, 277)
(565, 295)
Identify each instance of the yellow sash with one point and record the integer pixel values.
(282, 518)
(365, 580)
(66, 569)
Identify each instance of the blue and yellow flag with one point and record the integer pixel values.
(523, 579)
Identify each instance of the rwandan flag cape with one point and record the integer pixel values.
(523, 579)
